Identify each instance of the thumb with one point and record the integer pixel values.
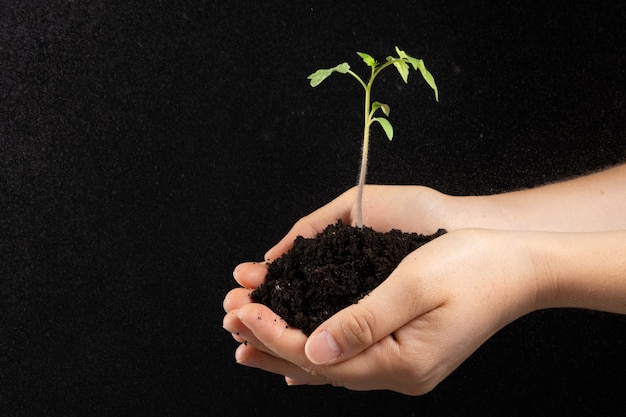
(355, 328)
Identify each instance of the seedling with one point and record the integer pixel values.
(401, 63)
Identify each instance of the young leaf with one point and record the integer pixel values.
(371, 62)
(428, 77)
(402, 54)
(403, 69)
(385, 125)
(342, 68)
(408, 58)
(384, 107)
(418, 64)
(321, 74)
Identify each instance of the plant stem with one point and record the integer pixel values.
(364, 152)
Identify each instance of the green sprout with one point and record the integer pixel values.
(401, 63)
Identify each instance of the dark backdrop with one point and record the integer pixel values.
(147, 148)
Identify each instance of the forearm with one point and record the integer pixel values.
(595, 202)
(582, 270)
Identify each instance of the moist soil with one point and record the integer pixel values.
(319, 276)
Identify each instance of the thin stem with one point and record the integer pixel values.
(357, 78)
(382, 67)
(364, 152)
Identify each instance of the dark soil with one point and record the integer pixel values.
(320, 276)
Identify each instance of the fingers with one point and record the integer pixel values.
(388, 364)
(250, 274)
(270, 330)
(387, 308)
(248, 355)
(237, 298)
(269, 344)
(241, 333)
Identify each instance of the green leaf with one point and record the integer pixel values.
(342, 68)
(428, 77)
(371, 62)
(321, 74)
(403, 69)
(385, 125)
(418, 64)
(401, 53)
(384, 107)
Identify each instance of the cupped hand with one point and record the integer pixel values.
(441, 303)
(407, 208)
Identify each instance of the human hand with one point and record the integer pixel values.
(441, 303)
(408, 208)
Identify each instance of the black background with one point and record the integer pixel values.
(147, 148)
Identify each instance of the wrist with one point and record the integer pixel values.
(581, 270)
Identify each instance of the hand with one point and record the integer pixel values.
(408, 208)
(441, 303)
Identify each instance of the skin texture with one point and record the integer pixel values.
(505, 256)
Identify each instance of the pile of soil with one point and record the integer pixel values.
(320, 276)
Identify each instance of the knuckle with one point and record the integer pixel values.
(358, 327)
(310, 369)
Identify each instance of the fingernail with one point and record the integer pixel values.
(322, 348)
(242, 359)
(293, 382)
